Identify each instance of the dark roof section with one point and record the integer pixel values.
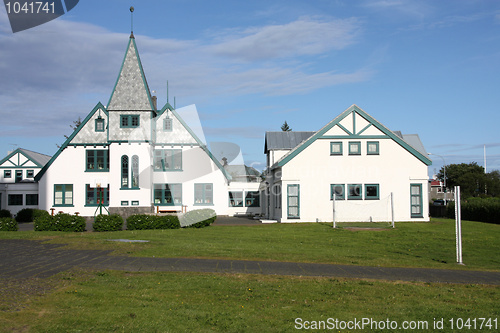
(243, 173)
(285, 140)
(41, 159)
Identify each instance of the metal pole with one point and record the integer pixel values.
(458, 225)
(392, 208)
(334, 196)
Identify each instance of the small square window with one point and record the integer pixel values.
(124, 121)
(129, 121)
(354, 192)
(135, 121)
(338, 190)
(372, 148)
(31, 199)
(99, 125)
(355, 148)
(135, 203)
(7, 174)
(30, 173)
(124, 203)
(372, 192)
(335, 148)
(167, 124)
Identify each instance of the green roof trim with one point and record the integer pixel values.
(71, 137)
(20, 151)
(352, 109)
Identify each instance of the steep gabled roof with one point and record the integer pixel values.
(284, 140)
(357, 133)
(131, 91)
(39, 159)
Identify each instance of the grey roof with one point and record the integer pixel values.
(242, 172)
(285, 140)
(414, 141)
(41, 159)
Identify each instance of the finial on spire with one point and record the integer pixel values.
(131, 22)
(167, 91)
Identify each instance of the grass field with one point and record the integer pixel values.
(109, 301)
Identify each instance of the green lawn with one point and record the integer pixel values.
(408, 245)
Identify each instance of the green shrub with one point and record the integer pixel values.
(198, 218)
(147, 222)
(25, 215)
(59, 222)
(113, 222)
(5, 213)
(477, 209)
(8, 224)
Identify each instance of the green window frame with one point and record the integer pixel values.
(167, 194)
(99, 125)
(124, 172)
(204, 194)
(252, 199)
(134, 177)
(167, 160)
(167, 124)
(293, 201)
(135, 203)
(129, 121)
(30, 173)
(416, 204)
(235, 198)
(19, 176)
(372, 192)
(354, 147)
(31, 199)
(339, 190)
(97, 160)
(336, 148)
(63, 195)
(7, 174)
(372, 148)
(124, 203)
(92, 196)
(15, 199)
(354, 192)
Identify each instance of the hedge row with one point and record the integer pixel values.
(5, 213)
(145, 222)
(113, 222)
(8, 224)
(477, 209)
(59, 222)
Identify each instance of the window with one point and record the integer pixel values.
(372, 148)
(167, 124)
(252, 199)
(372, 192)
(293, 201)
(19, 175)
(135, 203)
(129, 121)
(15, 199)
(354, 192)
(124, 181)
(30, 173)
(99, 124)
(203, 194)
(31, 199)
(335, 148)
(339, 190)
(94, 195)
(97, 160)
(135, 171)
(167, 194)
(7, 174)
(124, 203)
(168, 160)
(416, 200)
(235, 198)
(63, 195)
(355, 148)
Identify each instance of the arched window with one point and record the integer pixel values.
(135, 171)
(124, 171)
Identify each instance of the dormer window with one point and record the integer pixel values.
(167, 124)
(99, 124)
(129, 121)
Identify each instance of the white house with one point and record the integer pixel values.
(18, 188)
(137, 158)
(354, 157)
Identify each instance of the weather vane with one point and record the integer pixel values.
(131, 19)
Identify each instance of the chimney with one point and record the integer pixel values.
(153, 98)
(224, 161)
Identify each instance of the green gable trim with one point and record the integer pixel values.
(67, 143)
(354, 108)
(18, 165)
(330, 137)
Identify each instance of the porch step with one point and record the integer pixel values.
(269, 221)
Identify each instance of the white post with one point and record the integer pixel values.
(333, 203)
(392, 208)
(458, 225)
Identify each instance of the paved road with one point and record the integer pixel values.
(28, 258)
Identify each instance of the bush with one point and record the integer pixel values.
(198, 218)
(8, 224)
(148, 222)
(59, 222)
(5, 213)
(29, 214)
(478, 209)
(113, 222)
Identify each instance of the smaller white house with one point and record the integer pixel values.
(18, 188)
(373, 173)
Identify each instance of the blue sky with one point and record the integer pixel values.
(426, 67)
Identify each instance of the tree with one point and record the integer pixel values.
(75, 125)
(285, 127)
(470, 177)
